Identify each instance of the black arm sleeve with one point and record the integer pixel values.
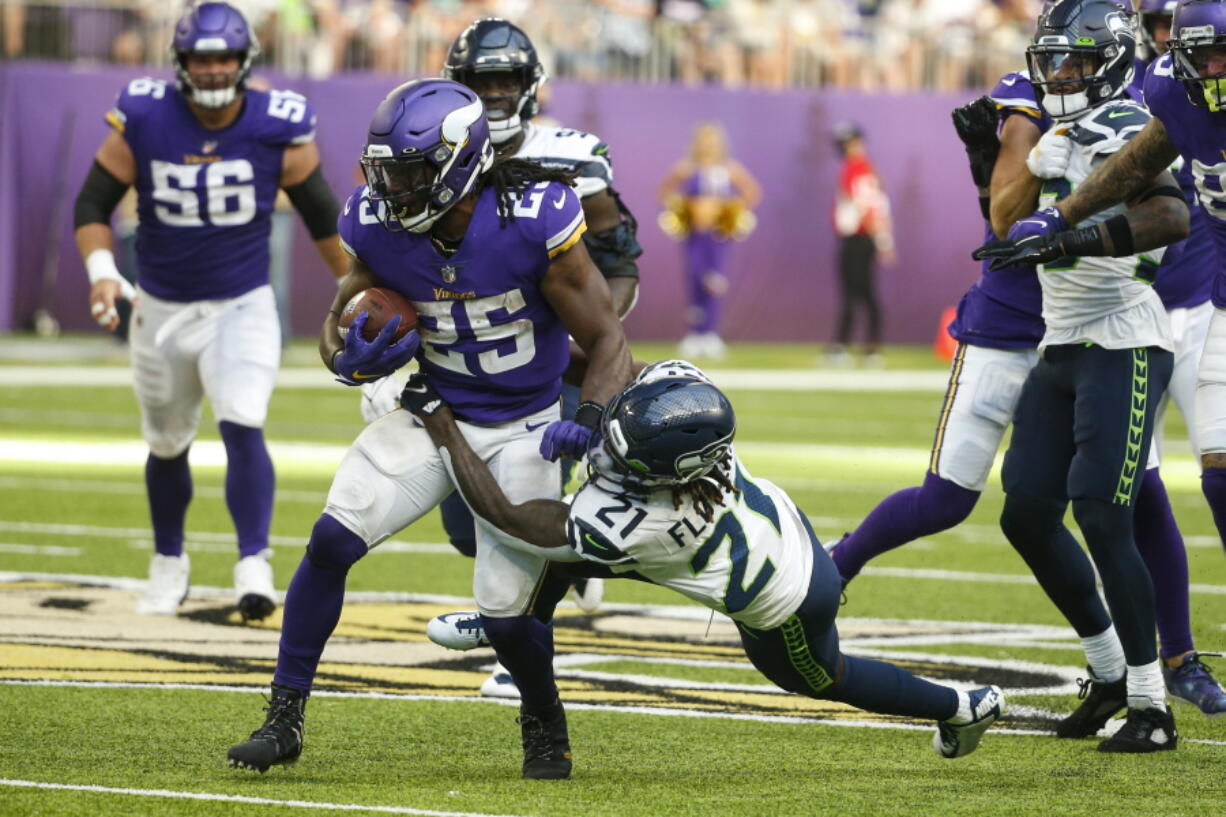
(614, 250)
(314, 201)
(98, 198)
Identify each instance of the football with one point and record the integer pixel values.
(380, 305)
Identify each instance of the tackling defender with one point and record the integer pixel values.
(489, 254)
(206, 155)
(668, 501)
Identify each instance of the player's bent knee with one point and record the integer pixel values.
(333, 546)
(1027, 521)
(168, 446)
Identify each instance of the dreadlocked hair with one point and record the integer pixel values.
(511, 177)
(708, 491)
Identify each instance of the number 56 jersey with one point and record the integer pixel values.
(206, 197)
(753, 561)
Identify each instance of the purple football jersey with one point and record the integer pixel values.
(205, 197)
(1199, 270)
(1003, 309)
(491, 344)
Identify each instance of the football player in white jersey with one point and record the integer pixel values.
(668, 501)
(1083, 424)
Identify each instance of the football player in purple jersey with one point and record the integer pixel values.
(1184, 89)
(207, 156)
(491, 257)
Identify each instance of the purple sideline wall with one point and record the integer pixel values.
(783, 276)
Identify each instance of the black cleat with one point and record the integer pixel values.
(254, 607)
(1101, 700)
(1145, 730)
(546, 743)
(279, 740)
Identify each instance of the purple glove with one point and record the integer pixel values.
(1032, 240)
(361, 361)
(565, 438)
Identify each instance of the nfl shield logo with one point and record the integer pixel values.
(208, 147)
(449, 274)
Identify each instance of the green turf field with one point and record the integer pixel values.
(106, 713)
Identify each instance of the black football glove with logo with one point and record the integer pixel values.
(419, 397)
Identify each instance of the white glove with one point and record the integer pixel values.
(1050, 157)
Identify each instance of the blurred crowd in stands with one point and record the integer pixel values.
(894, 45)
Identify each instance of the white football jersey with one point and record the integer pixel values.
(571, 150)
(1098, 299)
(753, 562)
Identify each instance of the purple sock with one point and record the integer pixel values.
(525, 647)
(1161, 547)
(1213, 486)
(249, 485)
(903, 517)
(314, 600)
(169, 485)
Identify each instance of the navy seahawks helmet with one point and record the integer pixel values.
(213, 28)
(494, 45)
(1198, 41)
(428, 144)
(662, 432)
(1082, 56)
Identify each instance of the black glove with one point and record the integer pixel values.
(976, 124)
(419, 397)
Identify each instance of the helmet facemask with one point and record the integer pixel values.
(1082, 56)
(1202, 70)
(1071, 80)
(211, 89)
(412, 190)
(220, 31)
(509, 95)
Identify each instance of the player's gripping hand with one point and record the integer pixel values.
(419, 397)
(1050, 157)
(1035, 239)
(570, 438)
(976, 124)
(361, 361)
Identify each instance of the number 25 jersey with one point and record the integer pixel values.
(206, 197)
(753, 561)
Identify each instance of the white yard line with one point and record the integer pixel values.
(316, 377)
(239, 798)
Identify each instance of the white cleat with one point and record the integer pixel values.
(167, 587)
(253, 587)
(587, 593)
(499, 684)
(458, 631)
(960, 735)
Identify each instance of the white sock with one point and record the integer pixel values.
(964, 714)
(1145, 687)
(1105, 655)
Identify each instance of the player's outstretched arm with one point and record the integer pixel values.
(1126, 175)
(540, 522)
(114, 171)
(303, 181)
(1157, 216)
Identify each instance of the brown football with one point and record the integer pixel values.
(380, 305)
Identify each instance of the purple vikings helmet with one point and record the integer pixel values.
(1082, 56)
(428, 145)
(1149, 14)
(1198, 46)
(213, 28)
